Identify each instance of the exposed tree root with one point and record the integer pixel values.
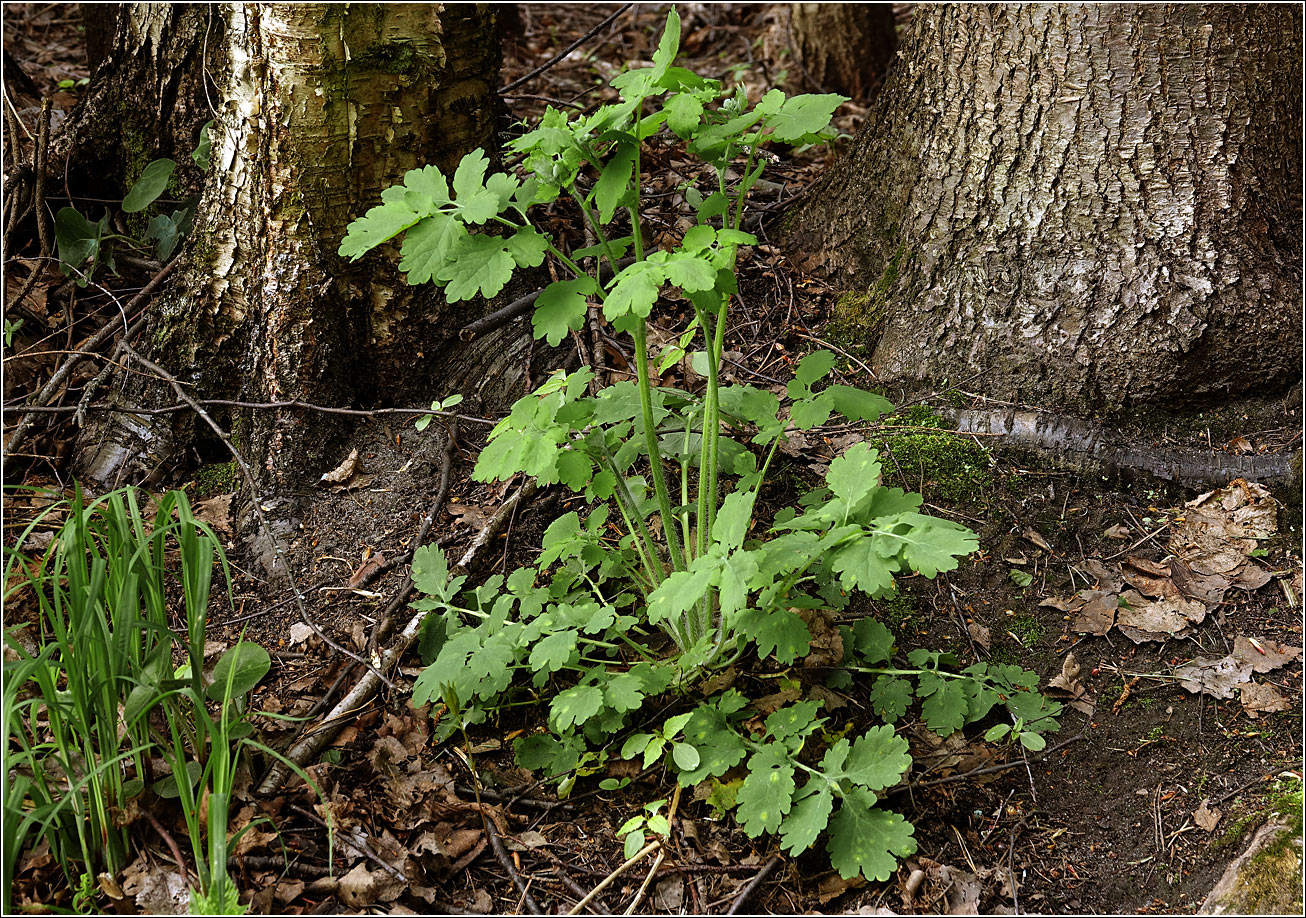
(1071, 443)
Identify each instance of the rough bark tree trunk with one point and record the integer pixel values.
(1087, 207)
(843, 47)
(147, 99)
(319, 108)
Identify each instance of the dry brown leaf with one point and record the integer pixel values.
(362, 887)
(344, 471)
(216, 511)
(979, 634)
(1106, 579)
(1241, 445)
(1217, 678)
(1258, 697)
(1119, 532)
(1094, 611)
(375, 561)
(1068, 682)
(1263, 654)
(1206, 817)
(1157, 619)
(470, 515)
(1036, 537)
(1148, 578)
(827, 643)
(1205, 588)
(299, 633)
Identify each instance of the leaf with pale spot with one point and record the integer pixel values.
(866, 840)
(575, 706)
(767, 793)
(808, 817)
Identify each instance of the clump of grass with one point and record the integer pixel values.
(92, 698)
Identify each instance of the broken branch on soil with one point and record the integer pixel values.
(257, 406)
(611, 878)
(312, 742)
(753, 886)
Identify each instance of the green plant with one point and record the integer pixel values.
(93, 697)
(80, 241)
(688, 578)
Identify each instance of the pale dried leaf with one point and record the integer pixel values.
(216, 511)
(344, 471)
(1036, 537)
(299, 633)
(1263, 654)
(1209, 676)
(362, 887)
(1157, 619)
(979, 634)
(1119, 532)
(1094, 612)
(1206, 817)
(470, 515)
(1258, 697)
(1068, 682)
(1205, 588)
(1106, 579)
(366, 568)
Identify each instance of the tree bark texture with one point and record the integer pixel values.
(320, 107)
(147, 98)
(843, 47)
(1087, 207)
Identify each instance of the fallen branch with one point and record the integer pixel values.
(313, 742)
(754, 885)
(1084, 447)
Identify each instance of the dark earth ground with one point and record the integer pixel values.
(1104, 824)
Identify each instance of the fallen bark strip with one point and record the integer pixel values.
(1084, 447)
(313, 741)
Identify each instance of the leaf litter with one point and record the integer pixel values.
(1209, 553)
(1210, 548)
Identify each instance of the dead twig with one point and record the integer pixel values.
(501, 853)
(65, 370)
(754, 885)
(553, 61)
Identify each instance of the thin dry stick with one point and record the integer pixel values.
(662, 854)
(368, 685)
(42, 154)
(564, 52)
(103, 335)
(608, 881)
(754, 885)
(233, 403)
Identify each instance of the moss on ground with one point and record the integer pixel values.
(941, 465)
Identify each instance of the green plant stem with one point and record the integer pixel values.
(654, 452)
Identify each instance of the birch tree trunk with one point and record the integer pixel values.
(319, 107)
(1086, 207)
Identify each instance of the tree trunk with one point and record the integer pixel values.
(1088, 207)
(147, 98)
(843, 47)
(320, 107)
